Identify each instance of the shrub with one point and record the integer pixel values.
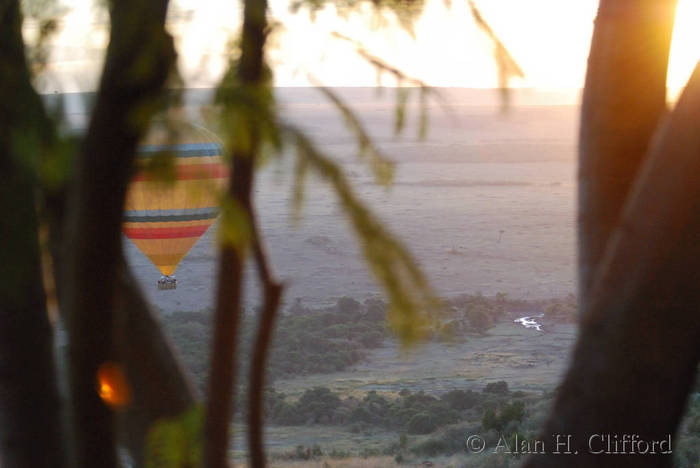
(421, 423)
(499, 387)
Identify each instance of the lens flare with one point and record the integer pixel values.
(112, 385)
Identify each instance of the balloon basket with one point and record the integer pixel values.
(167, 282)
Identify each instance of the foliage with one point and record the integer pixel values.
(498, 420)
(406, 11)
(499, 387)
(562, 310)
(306, 341)
(175, 442)
(408, 413)
(412, 303)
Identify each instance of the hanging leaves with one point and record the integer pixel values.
(413, 306)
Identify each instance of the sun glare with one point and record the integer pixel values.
(548, 38)
(685, 48)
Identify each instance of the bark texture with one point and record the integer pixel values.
(624, 101)
(160, 387)
(30, 430)
(638, 349)
(139, 58)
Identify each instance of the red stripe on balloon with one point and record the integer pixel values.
(191, 171)
(164, 232)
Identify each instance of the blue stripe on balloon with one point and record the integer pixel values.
(153, 216)
(184, 150)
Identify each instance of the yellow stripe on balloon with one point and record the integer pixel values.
(197, 193)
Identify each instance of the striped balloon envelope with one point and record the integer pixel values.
(164, 219)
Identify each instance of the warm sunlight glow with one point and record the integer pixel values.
(685, 48)
(548, 38)
(113, 386)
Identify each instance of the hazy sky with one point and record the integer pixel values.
(548, 38)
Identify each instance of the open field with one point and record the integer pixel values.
(525, 358)
(486, 203)
(529, 360)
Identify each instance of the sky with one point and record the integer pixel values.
(548, 38)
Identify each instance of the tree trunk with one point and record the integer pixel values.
(30, 430)
(637, 353)
(138, 61)
(624, 101)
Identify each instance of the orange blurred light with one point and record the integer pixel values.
(112, 385)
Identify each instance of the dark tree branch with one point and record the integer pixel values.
(624, 101)
(272, 292)
(637, 355)
(30, 429)
(160, 388)
(222, 385)
(139, 57)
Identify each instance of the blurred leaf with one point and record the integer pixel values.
(382, 167)
(411, 299)
(57, 163)
(248, 114)
(45, 14)
(176, 442)
(507, 66)
(405, 11)
(234, 225)
(401, 78)
(423, 122)
(300, 172)
(401, 99)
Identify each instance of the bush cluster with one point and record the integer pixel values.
(410, 413)
(305, 341)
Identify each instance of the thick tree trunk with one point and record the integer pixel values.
(638, 349)
(637, 355)
(30, 432)
(222, 385)
(624, 101)
(139, 58)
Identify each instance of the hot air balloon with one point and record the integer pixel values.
(164, 220)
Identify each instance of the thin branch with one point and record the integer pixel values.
(401, 77)
(249, 76)
(411, 297)
(507, 66)
(272, 292)
(381, 165)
